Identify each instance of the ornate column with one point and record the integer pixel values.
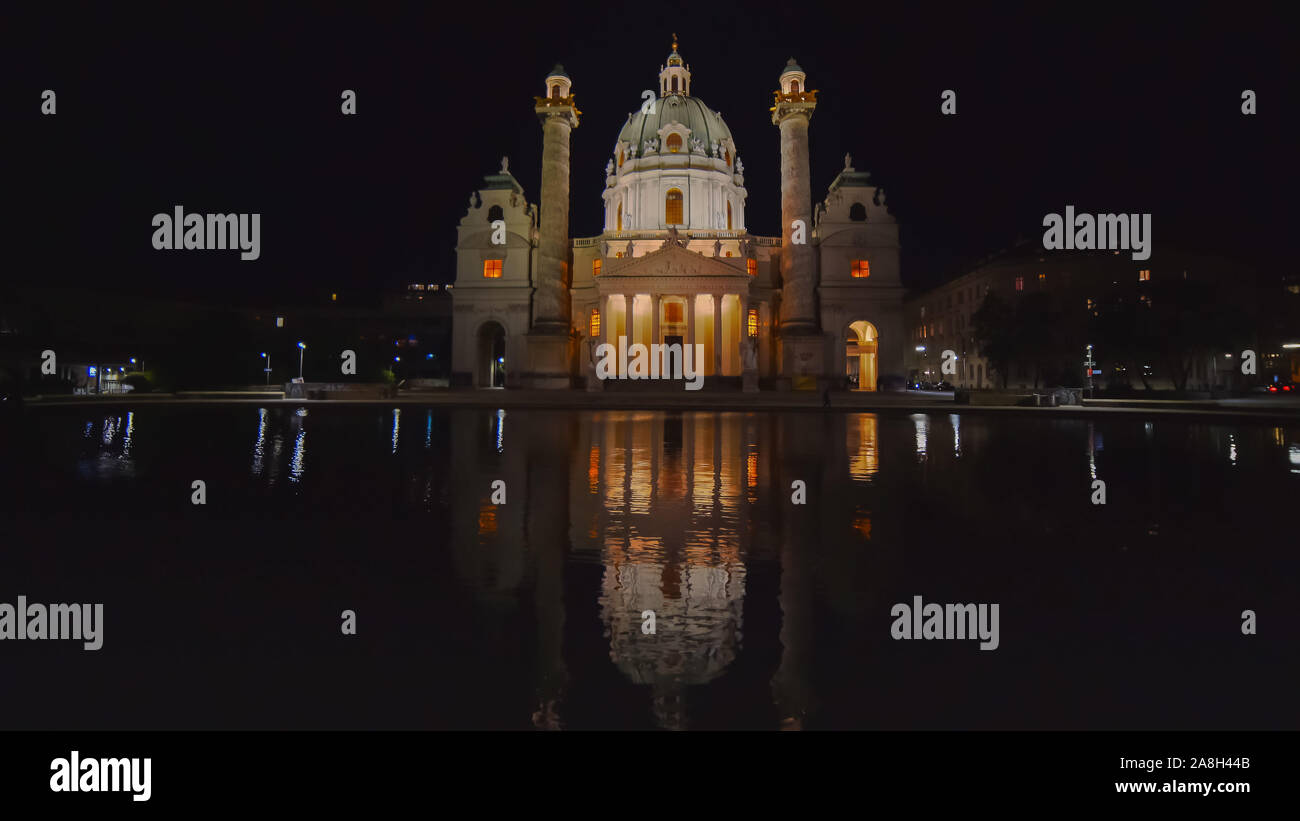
(549, 349)
(803, 348)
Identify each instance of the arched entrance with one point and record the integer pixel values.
(860, 356)
(491, 360)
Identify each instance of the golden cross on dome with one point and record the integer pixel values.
(674, 41)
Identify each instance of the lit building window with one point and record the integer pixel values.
(279, 322)
(1020, 283)
(751, 265)
(620, 158)
(595, 267)
(1042, 277)
(334, 297)
(1090, 304)
(492, 268)
(673, 207)
(728, 157)
(728, 216)
(672, 312)
(595, 324)
(728, 253)
(1144, 275)
(620, 218)
(861, 270)
(751, 324)
(1145, 300)
(674, 140)
(618, 255)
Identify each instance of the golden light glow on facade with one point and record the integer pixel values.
(751, 265)
(861, 269)
(751, 323)
(674, 142)
(672, 312)
(1144, 275)
(492, 268)
(595, 323)
(595, 267)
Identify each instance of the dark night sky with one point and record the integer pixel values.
(1109, 108)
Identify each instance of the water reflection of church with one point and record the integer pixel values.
(674, 509)
(674, 262)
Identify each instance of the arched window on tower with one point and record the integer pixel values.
(794, 86)
(620, 217)
(620, 158)
(674, 85)
(674, 143)
(727, 156)
(495, 213)
(858, 212)
(555, 91)
(728, 216)
(673, 207)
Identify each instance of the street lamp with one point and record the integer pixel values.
(302, 349)
(267, 369)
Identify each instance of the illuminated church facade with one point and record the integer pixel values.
(820, 305)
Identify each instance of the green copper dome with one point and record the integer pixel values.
(691, 112)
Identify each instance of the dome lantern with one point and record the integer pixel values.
(675, 77)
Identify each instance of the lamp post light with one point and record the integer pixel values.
(302, 349)
(267, 369)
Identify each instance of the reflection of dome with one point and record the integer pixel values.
(704, 123)
(698, 631)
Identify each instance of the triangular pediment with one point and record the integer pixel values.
(673, 260)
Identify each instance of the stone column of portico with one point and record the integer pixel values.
(630, 301)
(654, 318)
(717, 333)
(690, 325)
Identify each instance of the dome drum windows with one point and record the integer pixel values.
(673, 211)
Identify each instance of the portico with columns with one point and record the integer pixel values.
(676, 296)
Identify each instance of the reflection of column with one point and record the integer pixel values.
(547, 534)
(801, 448)
(717, 334)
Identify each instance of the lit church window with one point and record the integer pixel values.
(751, 265)
(751, 325)
(595, 267)
(492, 268)
(1144, 275)
(620, 218)
(1042, 277)
(595, 324)
(673, 207)
(794, 86)
(1020, 283)
(861, 270)
(674, 140)
(728, 216)
(672, 312)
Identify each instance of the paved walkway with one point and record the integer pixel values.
(903, 401)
